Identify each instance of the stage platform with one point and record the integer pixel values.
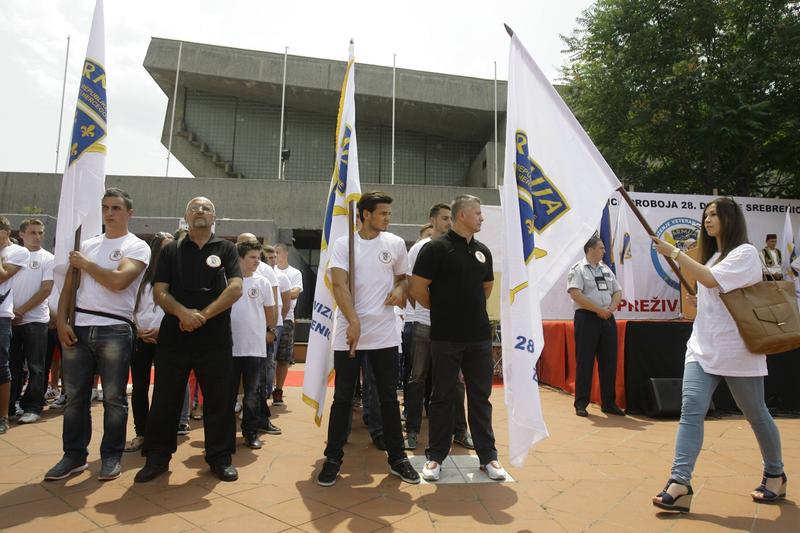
(592, 474)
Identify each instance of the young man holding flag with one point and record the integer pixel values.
(367, 328)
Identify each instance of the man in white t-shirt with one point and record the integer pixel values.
(284, 305)
(285, 354)
(32, 286)
(13, 259)
(440, 221)
(252, 328)
(100, 339)
(366, 328)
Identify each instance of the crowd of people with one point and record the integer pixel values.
(216, 321)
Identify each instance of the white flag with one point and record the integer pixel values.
(570, 181)
(622, 253)
(520, 315)
(786, 246)
(345, 186)
(83, 184)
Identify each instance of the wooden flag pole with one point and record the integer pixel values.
(351, 255)
(650, 231)
(76, 280)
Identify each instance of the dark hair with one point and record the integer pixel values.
(149, 278)
(425, 227)
(114, 192)
(591, 243)
(370, 200)
(28, 222)
(248, 246)
(732, 229)
(5, 223)
(461, 202)
(435, 209)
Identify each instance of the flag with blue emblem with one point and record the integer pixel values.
(345, 187)
(83, 184)
(788, 252)
(520, 313)
(569, 180)
(623, 253)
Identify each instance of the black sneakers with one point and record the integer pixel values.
(405, 471)
(330, 471)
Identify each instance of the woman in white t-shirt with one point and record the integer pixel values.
(716, 351)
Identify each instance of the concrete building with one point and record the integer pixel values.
(227, 130)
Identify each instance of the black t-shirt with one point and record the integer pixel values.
(457, 271)
(200, 279)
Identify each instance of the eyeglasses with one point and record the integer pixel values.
(201, 208)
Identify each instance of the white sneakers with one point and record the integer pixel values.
(431, 471)
(494, 470)
(28, 418)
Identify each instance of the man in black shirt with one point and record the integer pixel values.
(197, 281)
(453, 277)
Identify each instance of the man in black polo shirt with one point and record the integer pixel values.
(453, 278)
(197, 281)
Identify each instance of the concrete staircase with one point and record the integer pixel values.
(215, 157)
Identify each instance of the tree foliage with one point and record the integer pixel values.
(691, 95)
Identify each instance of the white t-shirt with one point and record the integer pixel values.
(266, 272)
(715, 342)
(29, 280)
(248, 322)
(148, 314)
(421, 314)
(296, 277)
(107, 253)
(378, 261)
(284, 285)
(13, 254)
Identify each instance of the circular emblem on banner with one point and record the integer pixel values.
(35, 265)
(680, 232)
(213, 261)
(253, 292)
(116, 255)
(480, 257)
(385, 257)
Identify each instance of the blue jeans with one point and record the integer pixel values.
(5, 346)
(29, 346)
(698, 387)
(103, 350)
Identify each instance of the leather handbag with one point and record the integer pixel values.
(766, 315)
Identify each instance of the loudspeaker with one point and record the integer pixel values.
(665, 397)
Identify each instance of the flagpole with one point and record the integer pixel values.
(650, 231)
(283, 103)
(174, 102)
(394, 83)
(496, 176)
(61, 114)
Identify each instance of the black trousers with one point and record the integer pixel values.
(474, 359)
(593, 335)
(213, 368)
(249, 370)
(141, 366)
(383, 363)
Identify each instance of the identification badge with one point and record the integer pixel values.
(602, 284)
(213, 261)
(480, 257)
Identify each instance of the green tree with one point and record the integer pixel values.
(690, 95)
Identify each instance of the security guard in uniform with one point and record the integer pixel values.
(197, 281)
(596, 294)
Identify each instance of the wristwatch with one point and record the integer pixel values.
(272, 329)
(674, 253)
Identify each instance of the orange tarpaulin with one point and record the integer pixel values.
(557, 363)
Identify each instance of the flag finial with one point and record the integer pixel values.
(509, 30)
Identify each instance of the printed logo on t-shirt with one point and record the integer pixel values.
(253, 292)
(35, 265)
(213, 261)
(385, 257)
(480, 257)
(116, 255)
